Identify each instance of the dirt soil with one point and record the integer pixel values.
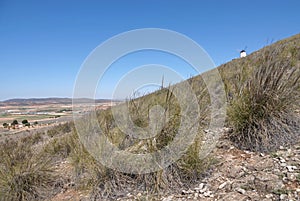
(237, 175)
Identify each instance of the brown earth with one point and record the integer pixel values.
(237, 175)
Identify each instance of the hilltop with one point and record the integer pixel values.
(255, 158)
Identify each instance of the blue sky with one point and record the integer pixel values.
(44, 43)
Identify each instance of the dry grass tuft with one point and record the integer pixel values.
(262, 114)
(23, 174)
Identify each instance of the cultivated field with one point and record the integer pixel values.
(39, 114)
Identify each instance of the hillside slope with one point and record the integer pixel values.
(262, 94)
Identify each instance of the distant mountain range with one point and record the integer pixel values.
(44, 101)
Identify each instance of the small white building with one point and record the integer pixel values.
(243, 53)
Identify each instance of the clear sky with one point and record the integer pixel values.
(44, 43)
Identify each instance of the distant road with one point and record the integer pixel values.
(56, 120)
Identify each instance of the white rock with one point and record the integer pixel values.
(201, 186)
(169, 198)
(188, 191)
(240, 190)
(285, 179)
(283, 196)
(283, 164)
(203, 189)
(184, 192)
(291, 168)
(282, 160)
(223, 185)
(196, 195)
(291, 177)
(207, 193)
(269, 196)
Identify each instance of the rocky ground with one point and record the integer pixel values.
(243, 175)
(237, 175)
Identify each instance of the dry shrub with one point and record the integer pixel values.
(263, 113)
(107, 183)
(32, 139)
(23, 174)
(61, 129)
(58, 147)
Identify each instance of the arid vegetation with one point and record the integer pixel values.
(263, 93)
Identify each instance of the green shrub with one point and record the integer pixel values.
(191, 164)
(5, 125)
(262, 115)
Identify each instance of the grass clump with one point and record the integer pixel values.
(58, 147)
(23, 174)
(109, 183)
(191, 165)
(32, 139)
(60, 129)
(263, 111)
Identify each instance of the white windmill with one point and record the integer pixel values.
(243, 53)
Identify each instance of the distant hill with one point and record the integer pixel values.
(44, 101)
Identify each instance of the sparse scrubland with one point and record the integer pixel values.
(263, 93)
